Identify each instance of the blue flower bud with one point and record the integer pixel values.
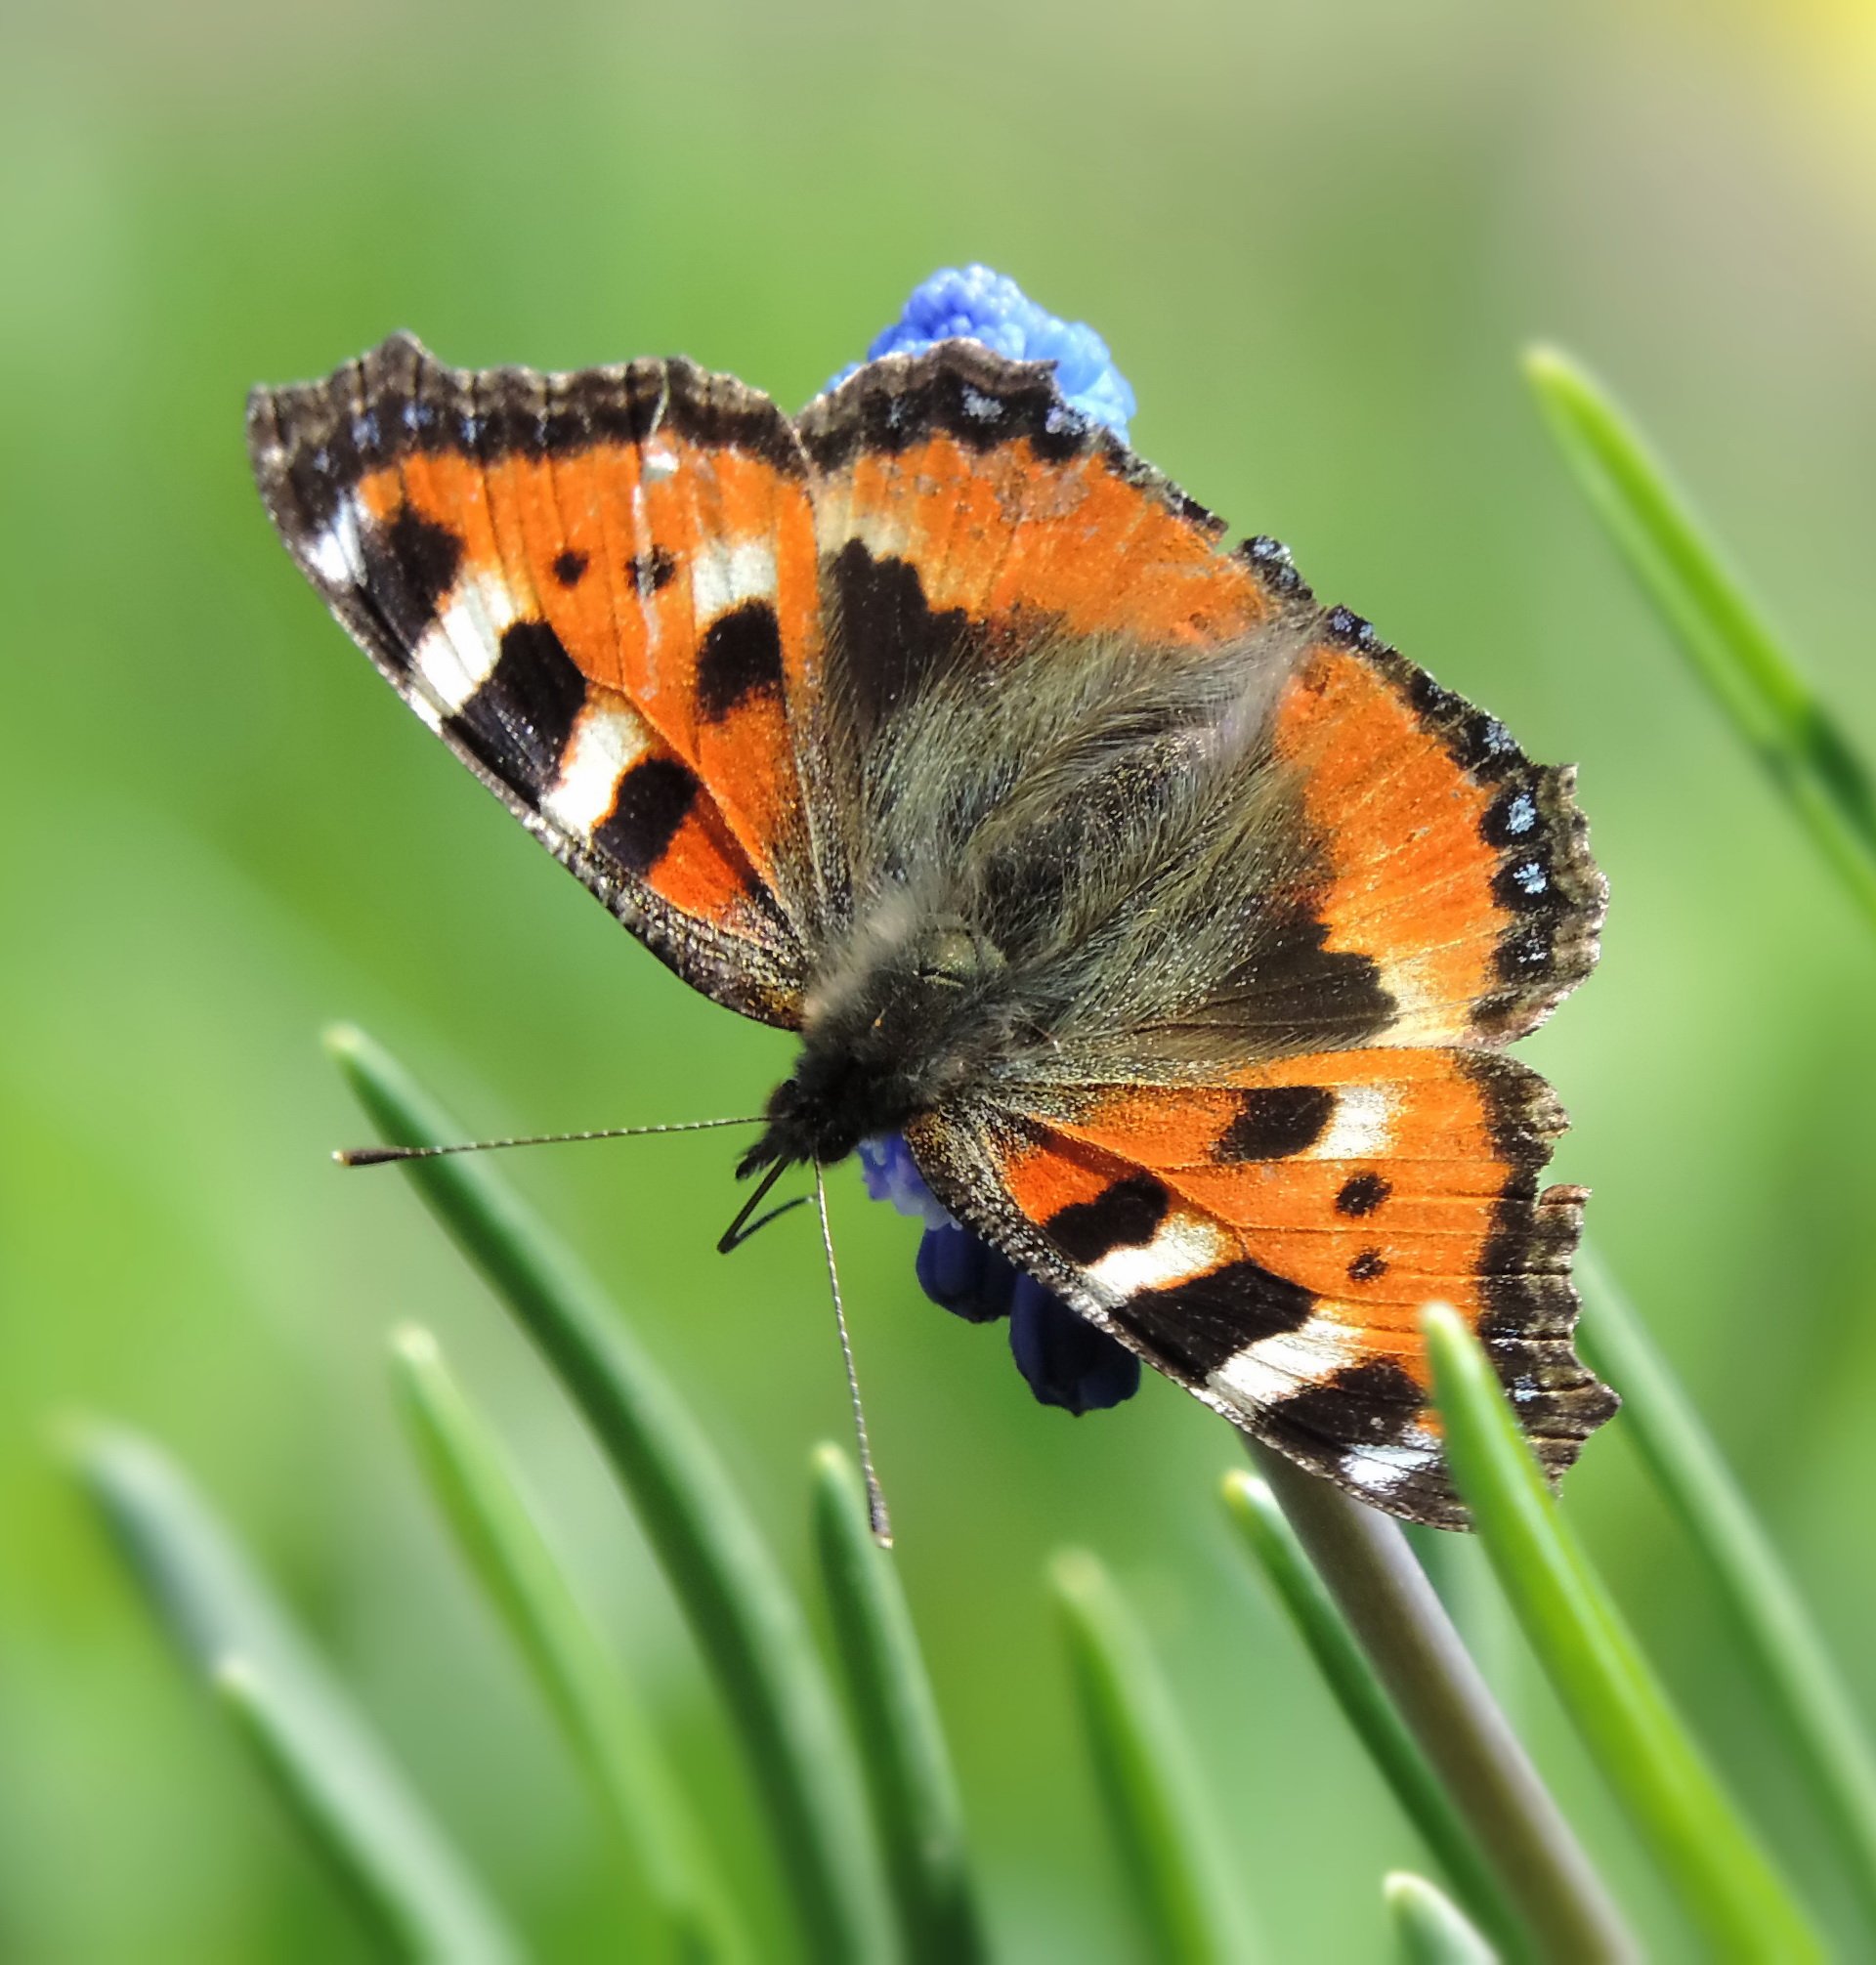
(1067, 1360)
(964, 1274)
(971, 303)
(890, 1172)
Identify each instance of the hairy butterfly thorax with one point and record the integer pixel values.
(908, 1013)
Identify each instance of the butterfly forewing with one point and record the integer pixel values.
(600, 590)
(1451, 862)
(1010, 509)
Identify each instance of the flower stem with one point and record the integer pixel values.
(1702, 1847)
(1393, 1608)
(1364, 1701)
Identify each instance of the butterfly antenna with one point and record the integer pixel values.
(379, 1156)
(878, 1519)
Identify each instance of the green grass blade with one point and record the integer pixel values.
(1706, 1854)
(295, 1765)
(1364, 1558)
(1804, 1690)
(909, 1772)
(1164, 1821)
(481, 1498)
(319, 1752)
(1728, 640)
(745, 1619)
(1363, 1699)
(1432, 1929)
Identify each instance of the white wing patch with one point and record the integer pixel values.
(884, 530)
(724, 575)
(337, 554)
(610, 738)
(460, 648)
(1185, 1245)
(1361, 1128)
(1274, 1369)
(1380, 1469)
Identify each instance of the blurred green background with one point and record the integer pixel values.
(1315, 237)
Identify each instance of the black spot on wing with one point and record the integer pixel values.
(1270, 558)
(1524, 1269)
(518, 721)
(1371, 1404)
(1551, 887)
(652, 801)
(956, 388)
(1478, 744)
(1368, 1267)
(1127, 1214)
(892, 646)
(740, 655)
(1512, 818)
(1276, 1121)
(570, 568)
(652, 571)
(1292, 990)
(1525, 952)
(302, 455)
(1523, 886)
(1362, 1194)
(411, 565)
(1200, 1323)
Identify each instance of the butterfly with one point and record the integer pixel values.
(1176, 922)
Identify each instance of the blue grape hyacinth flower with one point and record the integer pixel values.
(1068, 1361)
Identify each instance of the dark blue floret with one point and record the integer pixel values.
(971, 303)
(964, 1274)
(1068, 1361)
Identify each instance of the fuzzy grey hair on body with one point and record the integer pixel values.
(1108, 818)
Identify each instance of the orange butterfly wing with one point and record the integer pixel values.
(601, 590)
(1450, 860)
(1269, 1243)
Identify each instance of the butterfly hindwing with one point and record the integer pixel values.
(600, 590)
(1269, 1243)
